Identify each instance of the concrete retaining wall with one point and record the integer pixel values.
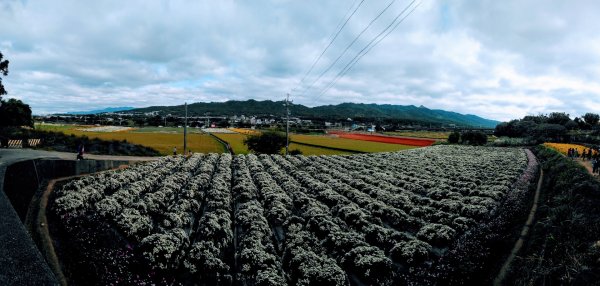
(20, 261)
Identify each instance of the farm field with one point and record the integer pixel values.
(564, 147)
(236, 141)
(419, 142)
(348, 144)
(273, 220)
(310, 150)
(165, 130)
(162, 142)
(442, 135)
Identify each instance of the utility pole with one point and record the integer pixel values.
(287, 124)
(185, 131)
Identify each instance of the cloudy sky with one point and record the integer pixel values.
(496, 59)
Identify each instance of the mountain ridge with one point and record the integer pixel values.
(342, 111)
(104, 110)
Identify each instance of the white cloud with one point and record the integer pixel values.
(497, 59)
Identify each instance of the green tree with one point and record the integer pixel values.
(558, 118)
(4, 72)
(473, 138)
(15, 113)
(591, 118)
(266, 143)
(454, 137)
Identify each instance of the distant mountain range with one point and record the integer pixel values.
(105, 110)
(405, 113)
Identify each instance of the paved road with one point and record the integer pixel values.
(20, 261)
(9, 156)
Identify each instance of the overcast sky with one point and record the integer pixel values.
(497, 59)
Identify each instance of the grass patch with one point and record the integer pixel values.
(236, 142)
(349, 144)
(311, 150)
(161, 142)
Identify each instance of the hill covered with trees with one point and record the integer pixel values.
(405, 113)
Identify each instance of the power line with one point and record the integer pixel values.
(370, 45)
(376, 40)
(349, 46)
(335, 35)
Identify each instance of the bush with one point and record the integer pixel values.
(266, 143)
(473, 138)
(454, 137)
(295, 152)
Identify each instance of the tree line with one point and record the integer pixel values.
(556, 126)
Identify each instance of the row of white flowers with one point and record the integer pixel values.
(258, 262)
(304, 260)
(296, 219)
(206, 256)
(348, 247)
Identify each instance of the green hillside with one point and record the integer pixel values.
(408, 113)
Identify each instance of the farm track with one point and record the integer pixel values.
(525, 233)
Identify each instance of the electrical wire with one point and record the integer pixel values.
(339, 29)
(348, 47)
(376, 40)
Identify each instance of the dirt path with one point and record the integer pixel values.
(41, 227)
(588, 166)
(524, 233)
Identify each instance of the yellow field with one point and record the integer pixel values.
(236, 141)
(349, 144)
(203, 143)
(161, 142)
(245, 131)
(564, 147)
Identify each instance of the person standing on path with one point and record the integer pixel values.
(80, 150)
(174, 151)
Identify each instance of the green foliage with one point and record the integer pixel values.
(4, 72)
(266, 143)
(591, 118)
(564, 249)
(15, 113)
(454, 137)
(512, 142)
(540, 128)
(558, 118)
(473, 138)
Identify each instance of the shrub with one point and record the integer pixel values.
(473, 138)
(266, 143)
(454, 137)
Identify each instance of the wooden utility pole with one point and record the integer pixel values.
(287, 124)
(185, 131)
